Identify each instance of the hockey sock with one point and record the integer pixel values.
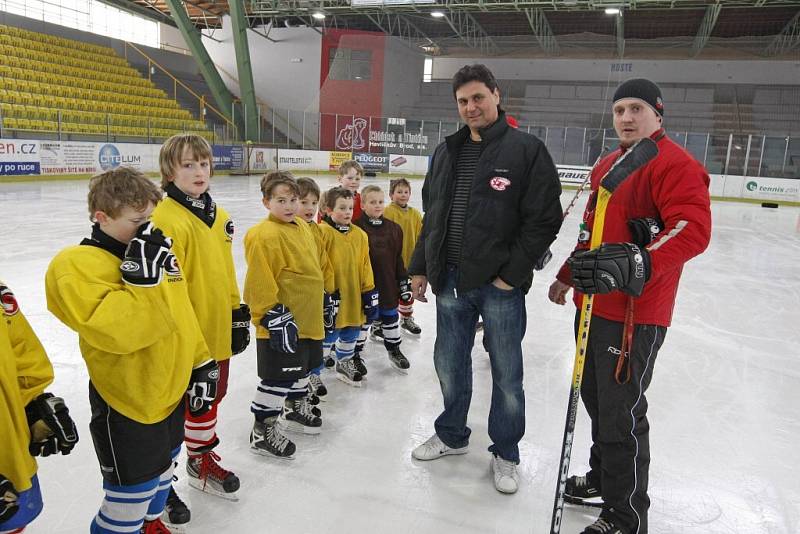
(200, 431)
(270, 397)
(164, 483)
(124, 507)
(299, 389)
(362, 338)
(329, 341)
(346, 344)
(406, 309)
(390, 323)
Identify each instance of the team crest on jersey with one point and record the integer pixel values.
(229, 228)
(10, 306)
(171, 266)
(498, 183)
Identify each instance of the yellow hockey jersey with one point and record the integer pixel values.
(410, 220)
(205, 256)
(283, 268)
(324, 261)
(140, 344)
(349, 255)
(25, 372)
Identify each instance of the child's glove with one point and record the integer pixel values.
(330, 305)
(203, 388)
(9, 503)
(406, 296)
(52, 429)
(240, 329)
(282, 329)
(145, 257)
(370, 301)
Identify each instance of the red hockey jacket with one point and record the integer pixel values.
(672, 187)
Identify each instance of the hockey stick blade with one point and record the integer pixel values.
(574, 501)
(637, 156)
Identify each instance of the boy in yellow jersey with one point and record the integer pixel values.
(202, 236)
(348, 249)
(309, 195)
(410, 220)
(32, 422)
(123, 291)
(284, 287)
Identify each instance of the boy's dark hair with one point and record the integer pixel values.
(335, 194)
(273, 179)
(345, 167)
(115, 189)
(307, 186)
(397, 182)
(474, 73)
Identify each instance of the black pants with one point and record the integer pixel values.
(619, 460)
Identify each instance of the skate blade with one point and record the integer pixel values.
(576, 501)
(265, 454)
(410, 333)
(348, 381)
(300, 429)
(399, 369)
(206, 488)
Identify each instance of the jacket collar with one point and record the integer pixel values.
(488, 134)
(340, 227)
(203, 208)
(102, 240)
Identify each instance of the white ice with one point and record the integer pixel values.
(723, 402)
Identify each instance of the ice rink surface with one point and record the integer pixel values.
(723, 403)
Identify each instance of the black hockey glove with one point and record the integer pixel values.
(611, 266)
(203, 388)
(645, 230)
(9, 503)
(542, 262)
(52, 429)
(145, 257)
(329, 308)
(406, 296)
(370, 301)
(240, 329)
(282, 329)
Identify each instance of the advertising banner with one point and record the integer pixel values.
(262, 159)
(228, 157)
(373, 162)
(572, 174)
(408, 164)
(73, 157)
(335, 159)
(771, 189)
(305, 160)
(19, 157)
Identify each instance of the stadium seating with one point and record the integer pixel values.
(53, 84)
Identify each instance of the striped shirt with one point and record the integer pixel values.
(466, 164)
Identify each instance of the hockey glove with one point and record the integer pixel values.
(645, 230)
(145, 257)
(370, 301)
(9, 503)
(203, 388)
(52, 429)
(329, 309)
(240, 332)
(282, 329)
(611, 266)
(406, 296)
(542, 262)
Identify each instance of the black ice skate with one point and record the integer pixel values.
(318, 389)
(361, 367)
(409, 325)
(298, 416)
(398, 360)
(266, 439)
(206, 475)
(376, 332)
(346, 372)
(581, 492)
(176, 514)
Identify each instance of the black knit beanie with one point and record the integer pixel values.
(643, 90)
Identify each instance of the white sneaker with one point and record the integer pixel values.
(434, 448)
(506, 478)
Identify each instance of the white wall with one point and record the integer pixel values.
(664, 71)
(402, 74)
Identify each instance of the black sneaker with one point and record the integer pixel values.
(604, 525)
(579, 490)
(360, 365)
(398, 360)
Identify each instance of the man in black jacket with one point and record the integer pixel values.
(491, 202)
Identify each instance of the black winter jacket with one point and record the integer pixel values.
(513, 216)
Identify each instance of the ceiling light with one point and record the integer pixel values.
(437, 14)
(317, 15)
(612, 11)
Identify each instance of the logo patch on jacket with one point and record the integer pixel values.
(10, 306)
(499, 183)
(229, 228)
(171, 266)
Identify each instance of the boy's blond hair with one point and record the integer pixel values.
(273, 179)
(169, 158)
(307, 186)
(370, 189)
(345, 167)
(334, 194)
(113, 190)
(397, 182)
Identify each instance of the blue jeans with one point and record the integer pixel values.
(504, 318)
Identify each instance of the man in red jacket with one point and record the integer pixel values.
(656, 220)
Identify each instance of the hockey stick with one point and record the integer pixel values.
(638, 155)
